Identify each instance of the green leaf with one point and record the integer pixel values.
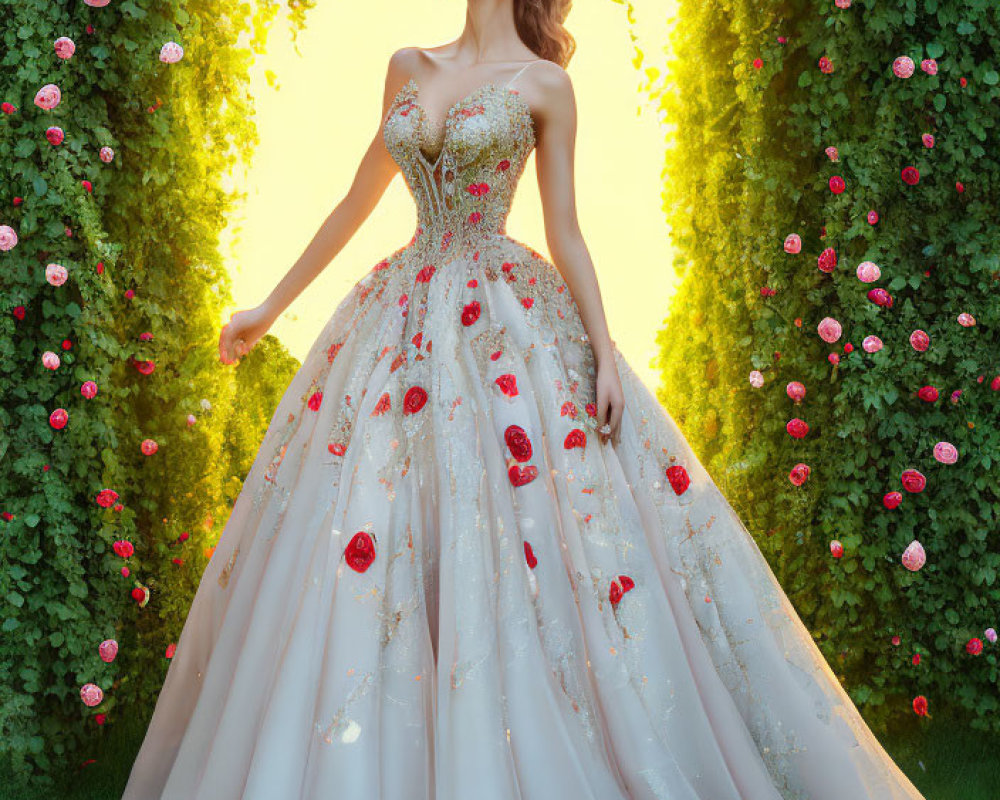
(934, 49)
(40, 186)
(965, 27)
(10, 624)
(31, 520)
(15, 599)
(805, 79)
(940, 101)
(990, 77)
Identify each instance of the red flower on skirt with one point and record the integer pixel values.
(529, 555)
(425, 274)
(575, 438)
(315, 400)
(619, 587)
(518, 442)
(414, 399)
(383, 405)
(678, 478)
(360, 552)
(471, 312)
(522, 475)
(508, 384)
(568, 409)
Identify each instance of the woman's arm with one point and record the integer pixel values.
(373, 175)
(554, 158)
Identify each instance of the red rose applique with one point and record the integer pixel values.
(568, 409)
(518, 442)
(332, 352)
(508, 384)
(360, 552)
(471, 312)
(527, 302)
(382, 405)
(381, 265)
(315, 400)
(446, 239)
(414, 399)
(478, 189)
(575, 438)
(678, 478)
(418, 337)
(619, 587)
(337, 448)
(529, 555)
(591, 409)
(474, 217)
(495, 355)
(522, 475)
(425, 274)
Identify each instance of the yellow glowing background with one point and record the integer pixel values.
(317, 119)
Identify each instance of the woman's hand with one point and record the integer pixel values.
(242, 332)
(610, 400)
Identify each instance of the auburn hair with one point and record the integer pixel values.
(540, 26)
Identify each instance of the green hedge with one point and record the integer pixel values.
(746, 166)
(146, 284)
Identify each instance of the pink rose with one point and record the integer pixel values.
(871, 344)
(50, 360)
(107, 650)
(88, 389)
(756, 378)
(929, 394)
(171, 53)
(64, 47)
(929, 65)
(107, 154)
(59, 418)
(903, 67)
(796, 391)
(8, 237)
(872, 217)
(832, 153)
(48, 96)
(946, 452)
(149, 446)
(91, 694)
(914, 556)
(799, 474)
(928, 140)
(837, 548)
(825, 65)
(974, 647)
(793, 243)
(880, 297)
(55, 135)
(829, 330)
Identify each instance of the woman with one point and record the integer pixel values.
(474, 557)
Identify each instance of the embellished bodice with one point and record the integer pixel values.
(464, 192)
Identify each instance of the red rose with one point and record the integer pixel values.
(360, 552)
(920, 706)
(825, 65)
(916, 659)
(522, 475)
(518, 442)
(928, 394)
(797, 428)
(995, 384)
(508, 384)
(575, 438)
(384, 404)
(123, 548)
(799, 474)
(414, 399)
(959, 187)
(59, 418)
(470, 313)
(679, 479)
(892, 499)
(138, 594)
(758, 63)
(106, 497)
(896, 640)
(19, 312)
(837, 184)
(315, 399)
(913, 481)
(910, 175)
(974, 647)
(827, 260)
(529, 555)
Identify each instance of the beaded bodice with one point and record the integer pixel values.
(465, 191)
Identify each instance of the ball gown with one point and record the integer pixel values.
(438, 583)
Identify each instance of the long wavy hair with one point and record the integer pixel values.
(540, 26)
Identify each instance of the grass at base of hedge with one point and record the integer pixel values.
(944, 758)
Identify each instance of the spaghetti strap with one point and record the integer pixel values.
(518, 73)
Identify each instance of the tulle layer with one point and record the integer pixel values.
(437, 583)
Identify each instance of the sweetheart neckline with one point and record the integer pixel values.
(412, 82)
